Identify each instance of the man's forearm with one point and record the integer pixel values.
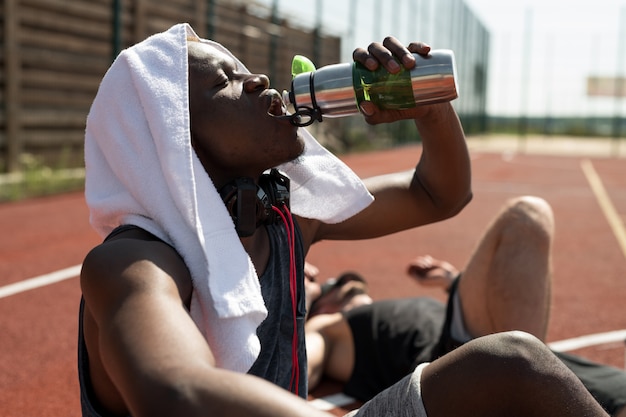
(219, 392)
(444, 169)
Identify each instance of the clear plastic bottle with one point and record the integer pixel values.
(337, 90)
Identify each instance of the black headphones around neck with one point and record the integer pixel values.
(251, 205)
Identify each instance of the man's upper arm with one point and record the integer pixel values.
(398, 205)
(316, 352)
(136, 292)
(330, 344)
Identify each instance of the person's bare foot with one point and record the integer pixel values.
(429, 271)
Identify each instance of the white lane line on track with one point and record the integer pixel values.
(40, 281)
(588, 340)
(332, 401)
(611, 214)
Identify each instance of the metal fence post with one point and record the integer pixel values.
(210, 19)
(273, 53)
(620, 77)
(116, 21)
(12, 85)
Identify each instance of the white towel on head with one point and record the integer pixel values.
(142, 170)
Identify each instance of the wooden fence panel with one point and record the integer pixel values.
(54, 54)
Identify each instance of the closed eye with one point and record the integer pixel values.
(221, 82)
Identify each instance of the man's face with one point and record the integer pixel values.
(340, 295)
(233, 126)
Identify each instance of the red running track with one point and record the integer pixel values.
(38, 327)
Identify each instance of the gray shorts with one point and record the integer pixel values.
(403, 399)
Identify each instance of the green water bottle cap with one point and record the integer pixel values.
(300, 65)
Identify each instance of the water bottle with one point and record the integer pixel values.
(337, 90)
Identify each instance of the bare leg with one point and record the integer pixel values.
(507, 282)
(508, 374)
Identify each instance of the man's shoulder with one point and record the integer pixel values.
(132, 256)
(130, 245)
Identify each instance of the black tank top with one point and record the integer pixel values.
(275, 333)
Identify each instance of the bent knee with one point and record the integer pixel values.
(518, 342)
(530, 215)
(513, 352)
(534, 208)
(503, 365)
